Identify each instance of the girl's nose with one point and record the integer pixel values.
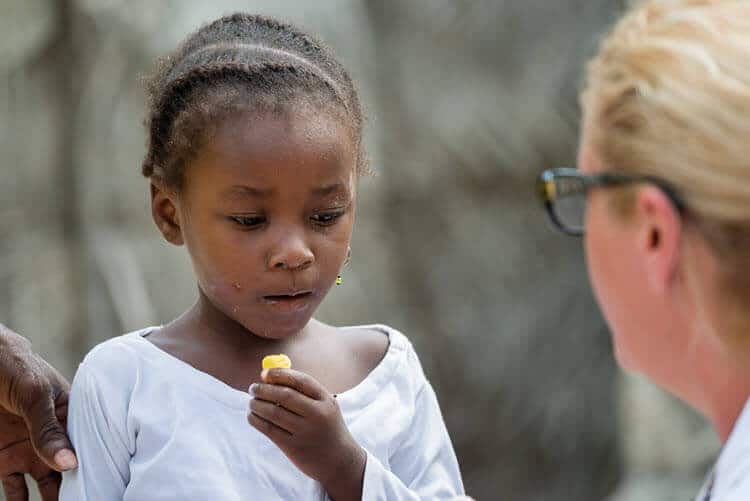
(291, 254)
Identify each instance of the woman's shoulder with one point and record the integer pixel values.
(733, 466)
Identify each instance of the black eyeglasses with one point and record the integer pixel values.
(563, 192)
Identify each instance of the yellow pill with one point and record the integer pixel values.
(279, 361)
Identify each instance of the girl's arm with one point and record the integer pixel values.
(97, 425)
(424, 466)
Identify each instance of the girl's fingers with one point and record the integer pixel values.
(288, 398)
(277, 435)
(275, 414)
(300, 381)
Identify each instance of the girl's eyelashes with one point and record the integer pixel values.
(327, 218)
(323, 218)
(249, 221)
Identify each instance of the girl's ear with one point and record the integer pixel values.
(660, 237)
(165, 214)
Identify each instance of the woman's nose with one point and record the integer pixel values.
(292, 253)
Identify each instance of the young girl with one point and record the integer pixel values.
(254, 153)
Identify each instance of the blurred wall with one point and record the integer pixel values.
(467, 102)
(477, 100)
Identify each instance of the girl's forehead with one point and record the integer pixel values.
(281, 135)
(274, 153)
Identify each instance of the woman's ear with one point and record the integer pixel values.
(660, 236)
(165, 214)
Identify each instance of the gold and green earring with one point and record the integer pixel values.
(339, 279)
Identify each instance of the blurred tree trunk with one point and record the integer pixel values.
(42, 254)
(67, 66)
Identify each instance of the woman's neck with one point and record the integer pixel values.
(723, 384)
(727, 405)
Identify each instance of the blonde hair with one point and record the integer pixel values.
(668, 95)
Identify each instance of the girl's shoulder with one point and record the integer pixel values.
(114, 362)
(375, 341)
(367, 344)
(386, 357)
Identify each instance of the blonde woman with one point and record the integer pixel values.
(662, 197)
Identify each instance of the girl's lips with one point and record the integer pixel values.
(291, 302)
(289, 294)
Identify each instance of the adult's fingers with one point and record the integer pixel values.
(48, 436)
(287, 397)
(16, 457)
(19, 458)
(276, 414)
(14, 487)
(61, 407)
(304, 383)
(49, 486)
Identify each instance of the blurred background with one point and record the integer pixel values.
(467, 101)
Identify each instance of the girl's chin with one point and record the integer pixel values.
(275, 330)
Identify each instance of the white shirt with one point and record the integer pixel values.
(148, 426)
(730, 478)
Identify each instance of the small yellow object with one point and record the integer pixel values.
(339, 280)
(279, 361)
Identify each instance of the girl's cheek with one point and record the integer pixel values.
(222, 291)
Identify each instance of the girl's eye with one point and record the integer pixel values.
(327, 218)
(249, 221)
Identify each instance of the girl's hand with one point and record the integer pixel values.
(294, 410)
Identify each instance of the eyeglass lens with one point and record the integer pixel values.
(570, 202)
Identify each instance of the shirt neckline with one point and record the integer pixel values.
(357, 397)
(735, 448)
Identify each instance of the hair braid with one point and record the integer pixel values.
(219, 66)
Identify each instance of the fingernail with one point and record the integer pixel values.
(264, 374)
(252, 388)
(65, 459)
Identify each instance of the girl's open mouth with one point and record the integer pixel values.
(291, 302)
(291, 296)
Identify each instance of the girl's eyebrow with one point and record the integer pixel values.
(239, 191)
(329, 189)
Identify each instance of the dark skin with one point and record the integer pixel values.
(33, 409)
(266, 212)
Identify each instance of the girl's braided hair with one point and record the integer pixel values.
(236, 64)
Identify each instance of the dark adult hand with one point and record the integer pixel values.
(304, 421)
(33, 411)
